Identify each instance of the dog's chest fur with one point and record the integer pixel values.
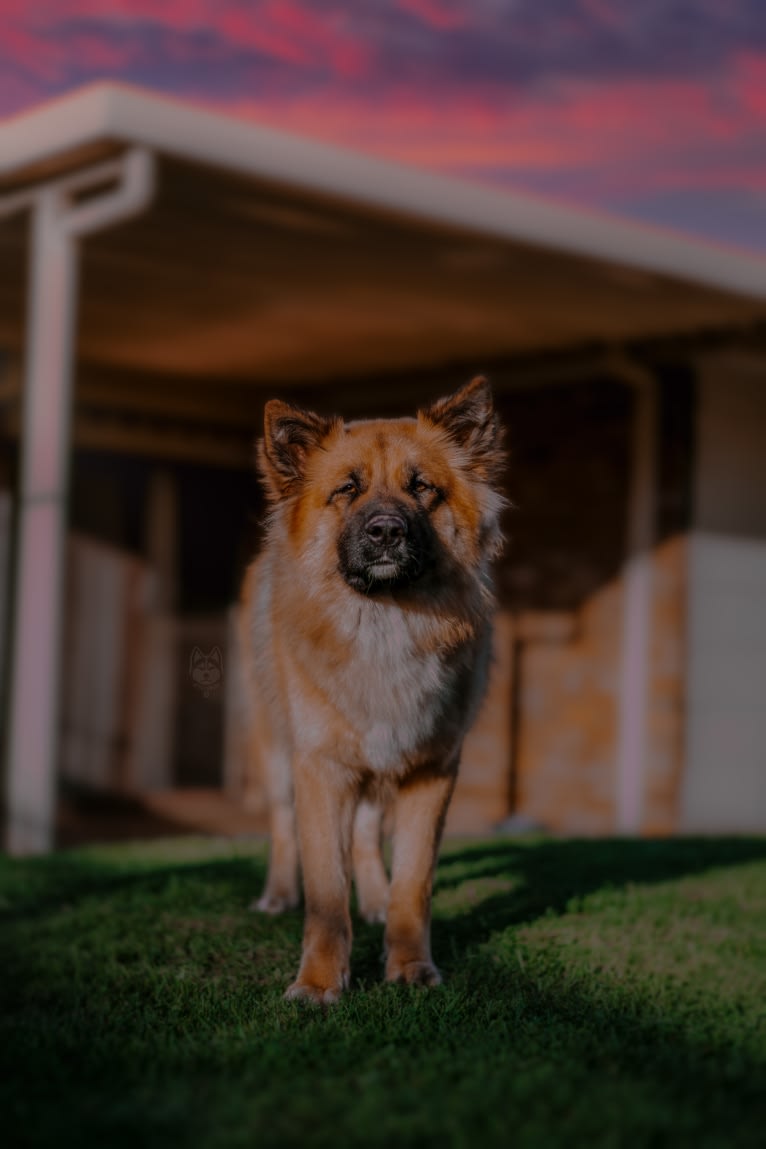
(391, 692)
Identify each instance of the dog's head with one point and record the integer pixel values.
(206, 669)
(390, 503)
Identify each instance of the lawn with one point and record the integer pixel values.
(597, 993)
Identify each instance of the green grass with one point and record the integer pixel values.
(598, 993)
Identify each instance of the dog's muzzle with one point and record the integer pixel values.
(381, 548)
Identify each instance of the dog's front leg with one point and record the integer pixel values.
(324, 803)
(421, 807)
(281, 891)
(369, 872)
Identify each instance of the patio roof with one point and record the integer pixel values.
(265, 258)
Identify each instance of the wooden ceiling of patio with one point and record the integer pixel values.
(228, 289)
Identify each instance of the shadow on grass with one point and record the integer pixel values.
(551, 873)
(43, 885)
(123, 1056)
(547, 875)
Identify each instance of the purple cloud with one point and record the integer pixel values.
(611, 102)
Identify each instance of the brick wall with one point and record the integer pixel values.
(568, 480)
(567, 729)
(567, 742)
(482, 794)
(667, 688)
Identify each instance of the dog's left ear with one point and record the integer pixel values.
(469, 418)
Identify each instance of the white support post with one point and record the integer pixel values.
(41, 512)
(633, 708)
(58, 220)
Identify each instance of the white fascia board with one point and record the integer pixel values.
(55, 129)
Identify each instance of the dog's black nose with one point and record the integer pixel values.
(384, 529)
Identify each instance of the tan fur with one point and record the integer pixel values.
(362, 697)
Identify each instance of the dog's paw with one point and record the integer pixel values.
(310, 994)
(423, 973)
(269, 903)
(375, 917)
(373, 911)
(372, 889)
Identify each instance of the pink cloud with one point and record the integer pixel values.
(294, 32)
(321, 38)
(16, 92)
(605, 12)
(102, 54)
(236, 26)
(751, 85)
(610, 139)
(435, 13)
(617, 139)
(40, 57)
(286, 30)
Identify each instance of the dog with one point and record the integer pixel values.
(206, 670)
(366, 628)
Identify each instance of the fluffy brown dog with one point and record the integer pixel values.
(367, 635)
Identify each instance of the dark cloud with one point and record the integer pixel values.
(529, 43)
(510, 48)
(734, 217)
(195, 61)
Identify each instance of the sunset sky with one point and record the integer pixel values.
(654, 109)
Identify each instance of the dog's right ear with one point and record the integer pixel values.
(290, 435)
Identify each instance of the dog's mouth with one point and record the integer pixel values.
(384, 569)
(381, 575)
(384, 549)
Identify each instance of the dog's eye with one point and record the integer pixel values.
(420, 486)
(349, 488)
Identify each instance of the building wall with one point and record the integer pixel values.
(482, 794)
(568, 483)
(664, 764)
(569, 705)
(569, 716)
(725, 781)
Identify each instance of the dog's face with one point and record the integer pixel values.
(388, 504)
(206, 670)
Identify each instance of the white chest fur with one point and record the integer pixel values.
(388, 693)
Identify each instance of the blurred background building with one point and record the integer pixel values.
(166, 270)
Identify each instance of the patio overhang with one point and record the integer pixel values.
(244, 259)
